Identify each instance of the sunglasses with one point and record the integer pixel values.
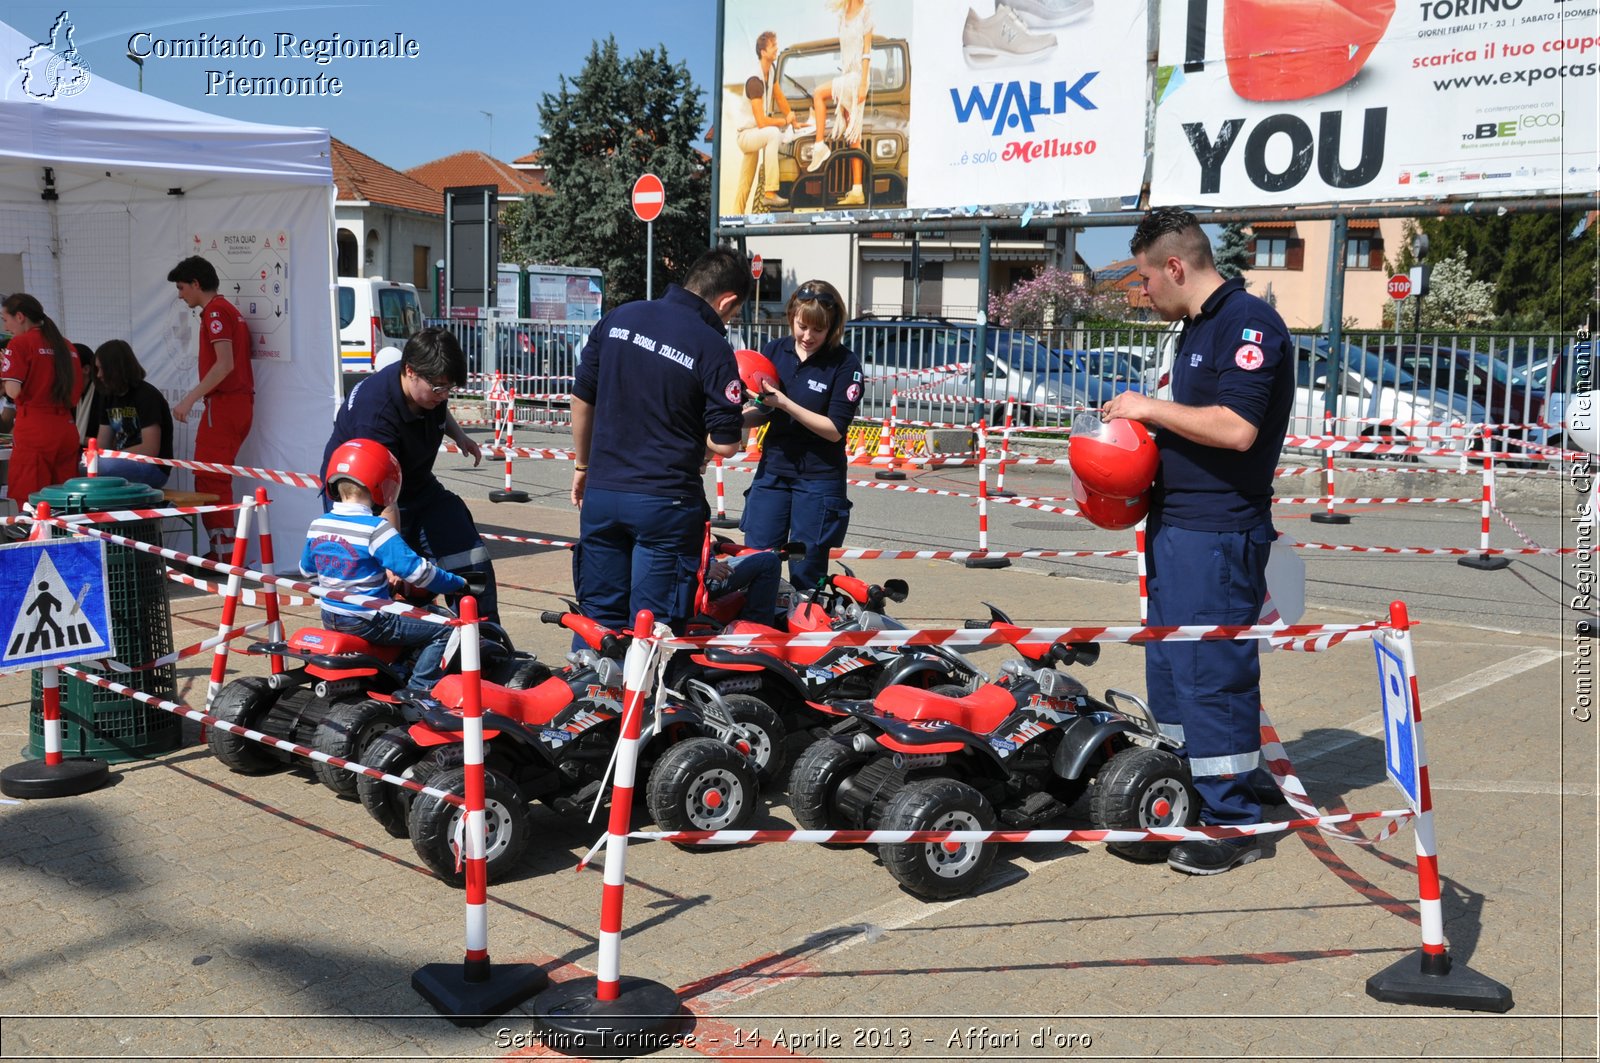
(813, 295)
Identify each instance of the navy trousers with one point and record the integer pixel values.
(782, 509)
(439, 526)
(638, 552)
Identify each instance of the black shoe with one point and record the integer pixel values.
(1213, 856)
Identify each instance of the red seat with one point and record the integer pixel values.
(535, 707)
(333, 643)
(980, 712)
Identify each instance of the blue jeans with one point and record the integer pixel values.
(388, 629)
(638, 551)
(757, 575)
(1210, 691)
(135, 471)
(781, 509)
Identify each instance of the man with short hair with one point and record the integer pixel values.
(1210, 525)
(657, 393)
(405, 407)
(228, 386)
(759, 132)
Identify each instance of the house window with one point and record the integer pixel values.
(1363, 252)
(1271, 252)
(421, 267)
(769, 288)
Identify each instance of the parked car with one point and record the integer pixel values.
(932, 364)
(1483, 379)
(1570, 374)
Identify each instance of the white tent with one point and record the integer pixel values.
(103, 189)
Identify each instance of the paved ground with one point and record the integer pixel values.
(187, 912)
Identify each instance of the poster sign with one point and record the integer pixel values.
(872, 105)
(1265, 102)
(253, 267)
(1399, 723)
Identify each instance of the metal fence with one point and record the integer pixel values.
(929, 370)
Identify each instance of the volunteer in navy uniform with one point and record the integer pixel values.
(799, 489)
(405, 407)
(656, 394)
(1210, 524)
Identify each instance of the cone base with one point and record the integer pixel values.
(464, 1003)
(643, 1018)
(504, 495)
(987, 562)
(1485, 562)
(1324, 517)
(1454, 985)
(35, 779)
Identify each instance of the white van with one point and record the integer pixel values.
(374, 314)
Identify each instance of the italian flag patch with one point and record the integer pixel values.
(1250, 335)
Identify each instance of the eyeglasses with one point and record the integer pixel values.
(814, 295)
(438, 390)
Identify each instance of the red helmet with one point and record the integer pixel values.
(1116, 458)
(754, 368)
(368, 463)
(1113, 514)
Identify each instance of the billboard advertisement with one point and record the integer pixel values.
(1275, 102)
(870, 105)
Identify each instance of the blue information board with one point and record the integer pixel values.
(54, 607)
(1399, 729)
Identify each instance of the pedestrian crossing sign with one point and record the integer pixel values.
(54, 606)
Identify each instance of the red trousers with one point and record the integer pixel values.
(223, 426)
(44, 451)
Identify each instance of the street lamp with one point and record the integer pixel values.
(138, 61)
(490, 116)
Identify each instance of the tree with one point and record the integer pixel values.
(1233, 250)
(1455, 300)
(1050, 299)
(616, 120)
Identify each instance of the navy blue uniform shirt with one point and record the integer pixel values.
(829, 383)
(376, 409)
(1234, 353)
(661, 378)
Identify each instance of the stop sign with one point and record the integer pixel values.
(1399, 286)
(755, 266)
(648, 197)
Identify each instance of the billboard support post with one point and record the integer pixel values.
(979, 370)
(1333, 302)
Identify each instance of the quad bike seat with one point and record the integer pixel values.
(535, 707)
(979, 712)
(334, 643)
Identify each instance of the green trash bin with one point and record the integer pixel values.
(94, 721)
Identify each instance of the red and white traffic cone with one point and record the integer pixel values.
(509, 493)
(886, 458)
(1328, 516)
(230, 601)
(1486, 562)
(1005, 453)
(610, 1014)
(1428, 977)
(55, 775)
(474, 991)
(268, 565)
(721, 520)
(983, 508)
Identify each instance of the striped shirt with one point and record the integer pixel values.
(350, 549)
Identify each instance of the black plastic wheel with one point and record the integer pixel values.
(765, 738)
(346, 731)
(1142, 788)
(244, 702)
(702, 784)
(397, 753)
(934, 871)
(815, 780)
(432, 825)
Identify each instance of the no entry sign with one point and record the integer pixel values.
(648, 197)
(1399, 286)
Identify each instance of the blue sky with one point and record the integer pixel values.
(495, 56)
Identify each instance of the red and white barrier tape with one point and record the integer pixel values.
(1441, 551)
(973, 638)
(248, 596)
(962, 555)
(255, 736)
(120, 515)
(523, 539)
(291, 479)
(189, 651)
(1344, 445)
(1319, 500)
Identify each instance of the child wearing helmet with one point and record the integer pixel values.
(353, 549)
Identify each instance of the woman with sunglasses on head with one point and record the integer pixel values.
(42, 376)
(799, 489)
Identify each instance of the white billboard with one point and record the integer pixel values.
(1269, 102)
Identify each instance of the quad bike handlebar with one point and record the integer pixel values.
(597, 635)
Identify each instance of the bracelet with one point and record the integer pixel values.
(579, 468)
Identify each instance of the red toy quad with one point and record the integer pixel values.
(1018, 750)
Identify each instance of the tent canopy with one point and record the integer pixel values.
(103, 189)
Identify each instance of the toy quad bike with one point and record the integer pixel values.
(1017, 750)
(554, 743)
(337, 700)
(798, 684)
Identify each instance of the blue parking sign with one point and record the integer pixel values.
(1399, 728)
(53, 603)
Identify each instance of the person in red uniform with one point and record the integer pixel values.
(42, 376)
(227, 384)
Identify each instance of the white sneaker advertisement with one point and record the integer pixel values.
(1311, 101)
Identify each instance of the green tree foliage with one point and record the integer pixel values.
(1233, 250)
(617, 119)
(1455, 300)
(1542, 275)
